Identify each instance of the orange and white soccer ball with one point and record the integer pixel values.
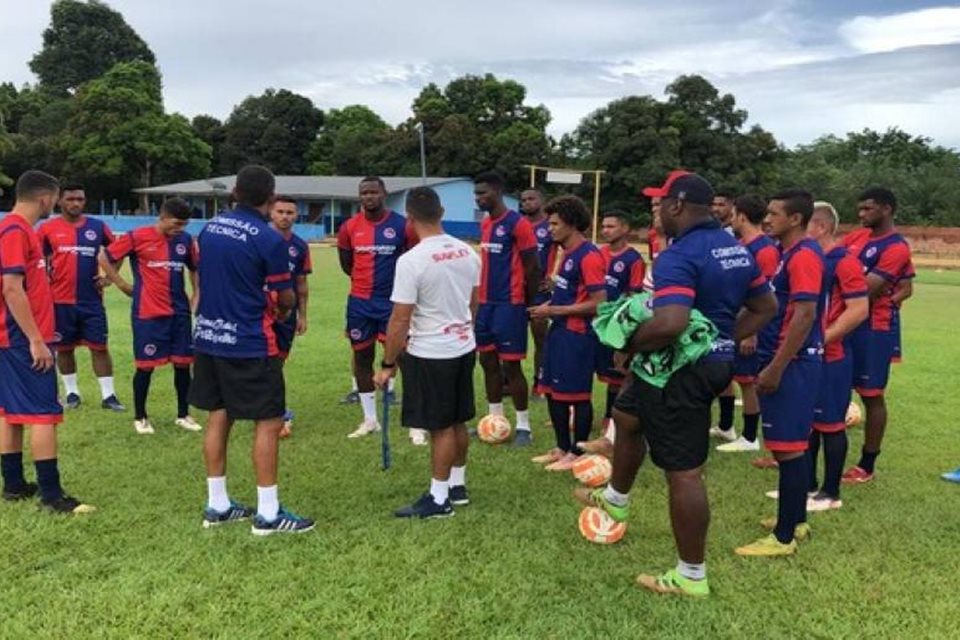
(854, 415)
(493, 429)
(598, 527)
(592, 470)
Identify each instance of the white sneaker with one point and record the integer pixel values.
(729, 435)
(366, 428)
(188, 423)
(143, 427)
(823, 503)
(418, 437)
(740, 444)
(775, 494)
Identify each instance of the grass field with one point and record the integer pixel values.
(511, 565)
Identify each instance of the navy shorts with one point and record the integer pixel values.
(603, 364)
(568, 364)
(160, 341)
(80, 325)
(746, 368)
(502, 327)
(285, 332)
(872, 353)
(27, 396)
(830, 413)
(787, 414)
(367, 321)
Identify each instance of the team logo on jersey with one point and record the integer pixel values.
(181, 250)
(57, 337)
(542, 233)
(389, 233)
(293, 250)
(872, 251)
(618, 266)
(356, 334)
(90, 235)
(150, 349)
(568, 265)
(500, 232)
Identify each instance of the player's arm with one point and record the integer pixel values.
(531, 274)
(286, 300)
(345, 248)
(757, 311)
(666, 325)
(804, 314)
(195, 288)
(303, 292)
(15, 297)
(112, 271)
(586, 308)
(902, 292)
(856, 311)
(893, 263)
(674, 292)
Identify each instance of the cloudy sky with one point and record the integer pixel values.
(800, 67)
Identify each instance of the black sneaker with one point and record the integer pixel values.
(523, 438)
(113, 404)
(66, 505)
(351, 398)
(24, 493)
(72, 401)
(285, 522)
(234, 513)
(459, 496)
(425, 508)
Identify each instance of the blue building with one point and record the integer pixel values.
(325, 202)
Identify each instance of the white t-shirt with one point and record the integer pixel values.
(438, 276)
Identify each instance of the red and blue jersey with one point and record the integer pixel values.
(300, 264)
(546, 247)
(766, 254)
(800, 278)
(376, 246)
(72, 249)
(625, 271)
(887, 256)
(846, 280)
(158, 263)
(503, 242)
(705, 268)
(21, 253)
(581, 274)
(242, 259)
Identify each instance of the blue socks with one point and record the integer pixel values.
(11, 467)
(48, 477)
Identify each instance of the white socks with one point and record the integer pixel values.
(217, 498)
(355, 388)
(692, 571)
(523, 420)
(106, 387)
(614, 497)
(496, 408)
(458, 476)
(391, 384)
(440, 490)
(268, 504)
(70, 383)
(369, 403)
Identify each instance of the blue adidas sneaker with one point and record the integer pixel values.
(234, 513)
(425, 508)
(952, 476)
(459, 496)
(285, 522)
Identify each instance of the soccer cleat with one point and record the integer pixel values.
(730, 435)
(562, 464)
(524, 438)
(595, 498)
(188, 423)
(425, 508)
(856, 475)
(459, 496)
(418, 437)
(234, 513)
(952, 476)
(767, 547)
(25, 492)
(72, 401)
(672, 582)
(801, 533)
(765, 463)
(823, 502)
(549, 457)
(285, 522)
(143, 427)
(738, 445)
(111, 403)
(366, 428)
(600, 445)
(775, 494)
(66, 505)
(351, 398)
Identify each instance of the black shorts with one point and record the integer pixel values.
(675, 420)
(248, 388)
(437, 393)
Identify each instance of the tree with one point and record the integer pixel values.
(211, 131)
(353, 141)
(85, 40)
(275, 129)
(120, 133)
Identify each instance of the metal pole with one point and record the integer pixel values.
(423, 154)
(596, 202)
(533, 176)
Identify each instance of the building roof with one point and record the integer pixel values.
(303, 187)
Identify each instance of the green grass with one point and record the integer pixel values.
(511, 565)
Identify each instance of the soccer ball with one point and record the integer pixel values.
(592, 470)
(598, 527)
(854, 415)
(493, 429)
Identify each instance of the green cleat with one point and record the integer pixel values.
(767, 547)
(673, 583)
(802, 532)
(594, 498)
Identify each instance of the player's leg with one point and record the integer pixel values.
(458, 472)
(571, 389)
(181, 356)
(15, 485)
(151, 349)
(538, 329)
(510, 327)
(727, 403)
(67, 335)
(745, 370)
(363, 324)
(141, 390)
(876, 351)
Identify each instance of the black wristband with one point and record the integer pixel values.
(387, 365)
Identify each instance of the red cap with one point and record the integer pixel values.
(661, 192)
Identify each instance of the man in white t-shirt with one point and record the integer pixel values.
(434, 306)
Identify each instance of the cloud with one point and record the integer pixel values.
(872, 34)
